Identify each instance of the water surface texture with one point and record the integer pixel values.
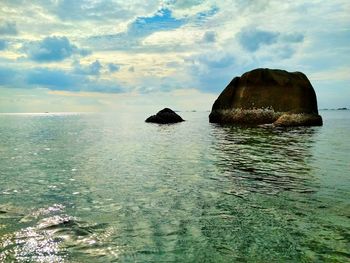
(111, 188)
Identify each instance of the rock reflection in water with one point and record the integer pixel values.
(264, 159)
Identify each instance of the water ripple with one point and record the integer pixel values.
(107, 188)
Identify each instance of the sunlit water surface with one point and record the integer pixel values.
(111, 188)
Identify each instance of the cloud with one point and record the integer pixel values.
(112, 67)
(57, 79)
(143, 27)
(7, 76)
(185, 4)
(172, 64)
(137, 30)
(293, 38)
(52, 49)
(252, 39)
(251, 6)
(160, 21)
(92, 69)
(104, 87)
(3, 44)
(194, 9)
(52, 79)
(214, 82)
(172, 44)
(285, 52)
(100, 10)
(8, 28)
(83, 10)
(209, 72)
(284, 45)
(203, 16)
(209, 37)
(218, 62)
(212, 60)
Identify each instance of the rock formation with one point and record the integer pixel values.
(165, 116)
(267, 96)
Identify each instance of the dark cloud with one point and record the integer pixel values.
(3, 44)
(209, 37)
(218, 60)
(172, 64)
(53, 79)
(252, 39)
(7, 76)
(8, 28)
(212, 71)
(293, 38)
(92, 69)
(104, 87)
(285, 52)
(214, 82)
(112, 67)
(52, 49)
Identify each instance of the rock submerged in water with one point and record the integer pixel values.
(267, 96)
(165, 116)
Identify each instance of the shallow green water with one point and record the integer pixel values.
(111, 188)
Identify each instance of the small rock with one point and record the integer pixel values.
(165, 116)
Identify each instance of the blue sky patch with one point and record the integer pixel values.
(161, 21)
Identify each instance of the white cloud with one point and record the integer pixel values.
(198, 47)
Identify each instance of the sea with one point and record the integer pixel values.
(108, 187)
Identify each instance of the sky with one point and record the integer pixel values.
(102, 55)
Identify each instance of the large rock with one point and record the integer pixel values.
(265, 96)
(165, 116)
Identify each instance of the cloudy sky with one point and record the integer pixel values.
(98, 55)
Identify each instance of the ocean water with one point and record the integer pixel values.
(111, 188)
